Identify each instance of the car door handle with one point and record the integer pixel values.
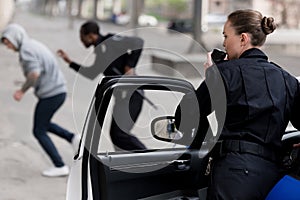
(181, 164)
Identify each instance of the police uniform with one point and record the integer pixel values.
(113, 53)
(261, 99)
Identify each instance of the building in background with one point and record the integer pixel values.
(286, 12)
(6, 12)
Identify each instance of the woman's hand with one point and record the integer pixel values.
(208, 62)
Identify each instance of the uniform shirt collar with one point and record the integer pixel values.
(254, 53)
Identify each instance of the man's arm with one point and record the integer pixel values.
(90, 72)
(67, 59)
(31, 79)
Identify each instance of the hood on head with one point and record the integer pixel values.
(15, 34)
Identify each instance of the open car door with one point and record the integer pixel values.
(165, 169)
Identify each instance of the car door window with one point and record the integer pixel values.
(164, 104)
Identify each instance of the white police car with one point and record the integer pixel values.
(171, 166)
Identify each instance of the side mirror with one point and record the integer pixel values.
(164, 128)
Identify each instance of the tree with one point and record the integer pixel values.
(197, 29)
(177, 6)
(95, 16)
(288, 11)
(79, 14)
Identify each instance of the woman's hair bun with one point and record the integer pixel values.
(268, 25)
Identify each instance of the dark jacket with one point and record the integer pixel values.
(113, 53)
(261, 98)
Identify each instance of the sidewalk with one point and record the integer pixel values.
(22, 159)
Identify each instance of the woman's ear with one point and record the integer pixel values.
(245, 38)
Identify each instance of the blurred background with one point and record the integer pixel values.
(152, 12)
(192, 17)
(177, 34)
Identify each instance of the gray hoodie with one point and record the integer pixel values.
(36, 57)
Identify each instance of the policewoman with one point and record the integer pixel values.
(261, 98)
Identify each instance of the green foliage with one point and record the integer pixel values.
(164, 10)
(178, 5)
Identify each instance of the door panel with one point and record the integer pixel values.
(162, 169)
(142, 175)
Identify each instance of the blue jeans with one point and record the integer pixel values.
(44, 111)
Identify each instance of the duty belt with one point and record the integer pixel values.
(241, 146)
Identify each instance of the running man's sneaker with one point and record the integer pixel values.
(56, 171)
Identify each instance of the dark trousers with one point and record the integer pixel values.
(125, 113)
(237, 176)
(43, 114)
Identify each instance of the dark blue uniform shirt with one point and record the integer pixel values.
(261, 99)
